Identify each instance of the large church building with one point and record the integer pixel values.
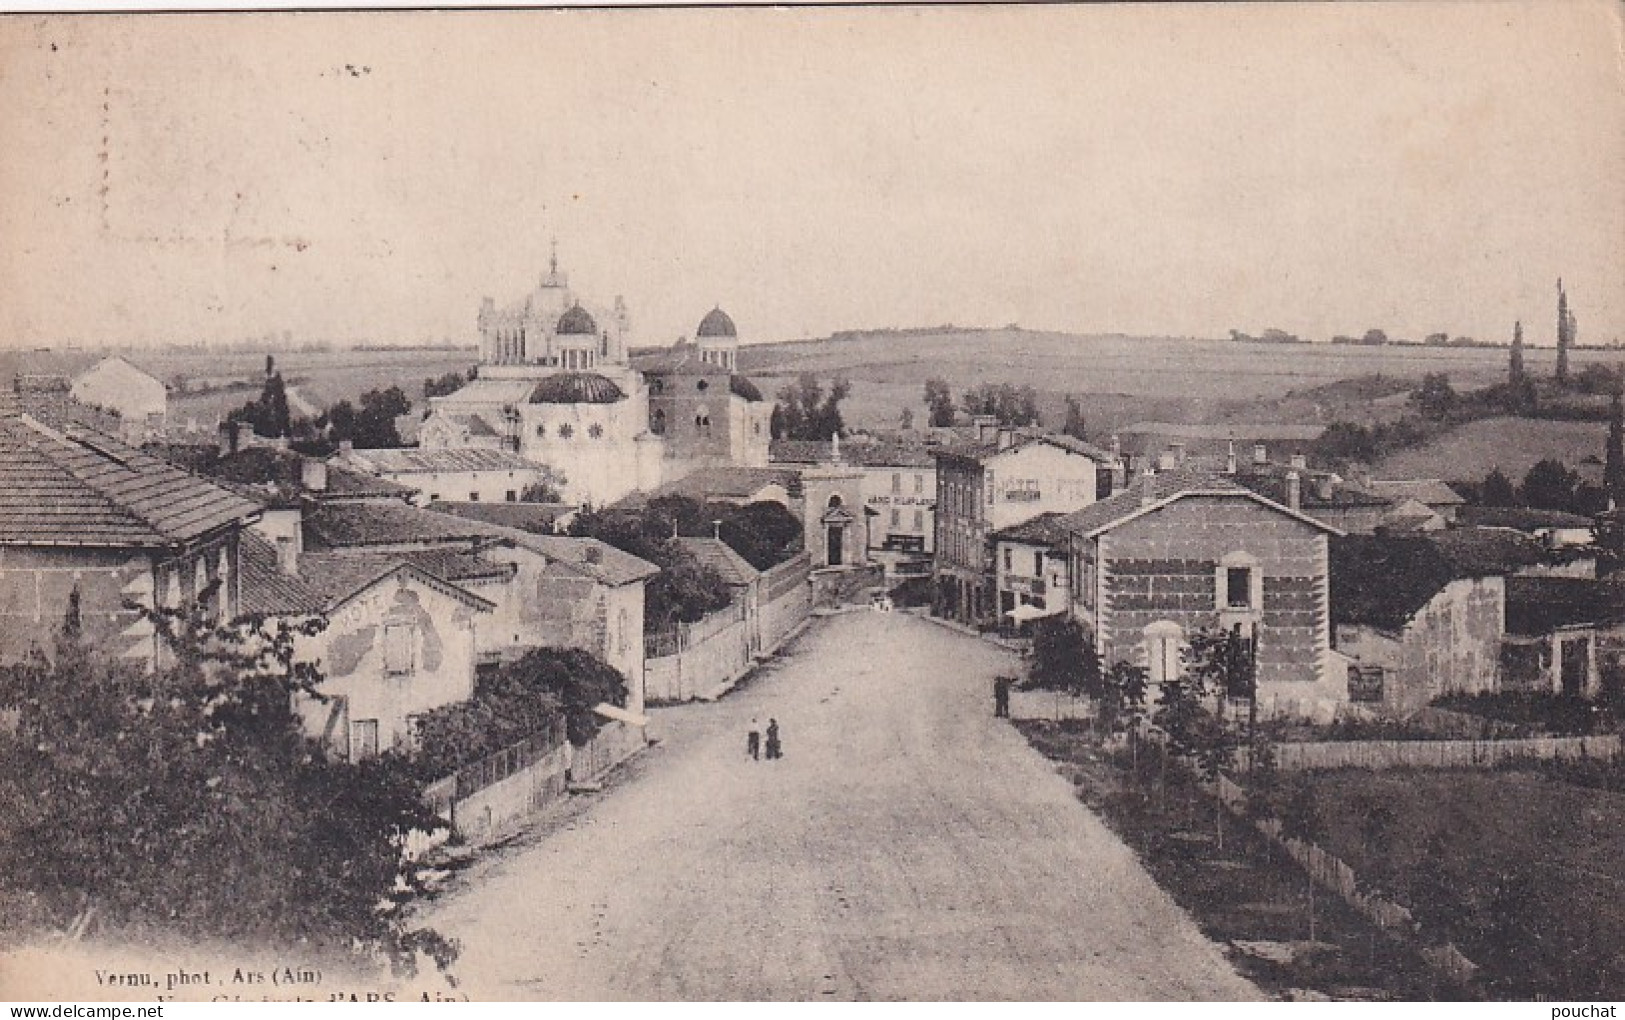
(556, 385)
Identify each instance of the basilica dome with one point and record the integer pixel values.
(576, 388)
(576, 321)
(716, 324)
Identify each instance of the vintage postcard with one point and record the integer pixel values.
(962, 502)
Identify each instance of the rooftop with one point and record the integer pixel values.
(74, 486)
(408, 460)
(576, 388)
(721, 482)
(1540, 605)
(325, 581)
(854, 451)
(1431, 491)
(1145, 494)
(1520, 518)
(719, 556)
(1045, 529)
(275, 477)
(978, 450)
(351, 525)
(1383, 580)
(526, 516)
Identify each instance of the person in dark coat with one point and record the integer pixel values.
(753, 742)
(773, 748)
(1001, 697)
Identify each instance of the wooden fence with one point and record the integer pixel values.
(1444, 754)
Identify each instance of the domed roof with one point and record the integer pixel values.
(576, 321)
(576, 388)
(716, 324)
(740, 386)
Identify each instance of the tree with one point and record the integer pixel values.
(1517, 375)
(1565, 338)
(270, 365)
(1011, 405)
(451, 382)
(1374, 338)
(905, 421)
(1435, 398)
(684, 591)
(1497, 490)
(127, 791)
(1613, 473)
(1064, 658)
(1437, 340)
(1124, 688)
(939, 401)
(372, 426)
(268, 414)
(547, 489)
(804, 411)
(1550, 485)
(1074, 425)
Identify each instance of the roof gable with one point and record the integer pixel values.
(1166, 488)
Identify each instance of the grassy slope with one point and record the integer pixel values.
(1471, 451)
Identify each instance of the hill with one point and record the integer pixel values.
(1469, 452)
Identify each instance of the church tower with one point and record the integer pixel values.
(718, 340)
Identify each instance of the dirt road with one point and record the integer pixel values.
(907, 846)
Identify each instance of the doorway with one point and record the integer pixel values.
(837, 535)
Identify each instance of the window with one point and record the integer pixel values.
(566, 431)
(541, 432)
(896, 518)
(657, 386)
(512, 496)
(1038, 563)
(919, 520)
(757, 427)
(834, 501)
(363, 739)
(595, 431)
(473, 497)
(919, 484)
(896, 482)
(702, 385)
(1009, 559)
(1163, 641)
(657, 424)
(434, 497)
(1238, 587)
(400, 640)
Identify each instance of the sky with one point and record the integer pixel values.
(1144, 169)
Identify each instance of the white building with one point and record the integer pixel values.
(474, 475)
(140, 401)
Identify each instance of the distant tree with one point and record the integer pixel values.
(905, 421)
(451, 382)
(939, 402)
(685, 590)
(1374, 338)
(1437, 340)
(805, 411)
(1011, 405)
(1516, 373)
(1613, 474)
(1565, 338)
(1497, 490)
(270, 365)
(372, 426)
(1435, 398)
(547, 489)
(1550, 485)
(268, 414)
(1074, 424)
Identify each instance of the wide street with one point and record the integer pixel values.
(908, 846)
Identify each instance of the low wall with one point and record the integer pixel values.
(1050, 705)
(697, 659)
(1400, 754)
(479, 808)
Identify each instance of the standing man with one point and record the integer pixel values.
(773, 748)
(753, 742)
(1001, 697)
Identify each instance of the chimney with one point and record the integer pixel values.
(228, 438)
(1300, 462)
(1165, 460)
(1117, 448)
(1178, 450)
(1294, 491)
(986, 427)
(1148, 487)
(346, 446)
(1230, 458)
(313, 474)
(287, 554)
(1007, 438)
(1260, 455)
(1323, 488)
(716, 530)
(1119, 475)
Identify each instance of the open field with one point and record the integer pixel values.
(1121, 379)
(1469, 452)
(1520, 868)
(320, 377)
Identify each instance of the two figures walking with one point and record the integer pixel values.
(753, 741)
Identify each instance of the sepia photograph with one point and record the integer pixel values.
(1098, 502)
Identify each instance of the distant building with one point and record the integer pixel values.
(899, 489)
(1565, 635)
(1031, 571)
(707, 414)
(81, 512)
(1001, 479)
(140, 401)
(473, 474)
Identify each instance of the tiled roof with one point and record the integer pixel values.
(719, 556)
(1382, 580)
(78, 487)
(728, 482)
(1520, 517)
(526, 516)
(476, 425)
(348, 525)
(1166, 487)
(588, 556)
(326, 580)
(863, 454)
(1431, 491)
(1540, 605)
(1045, 529)
(1484, 551)
(1240, 432)
(485, 392)
(978, 450)
(275, 477)
(1270, 481)
(418, 461)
